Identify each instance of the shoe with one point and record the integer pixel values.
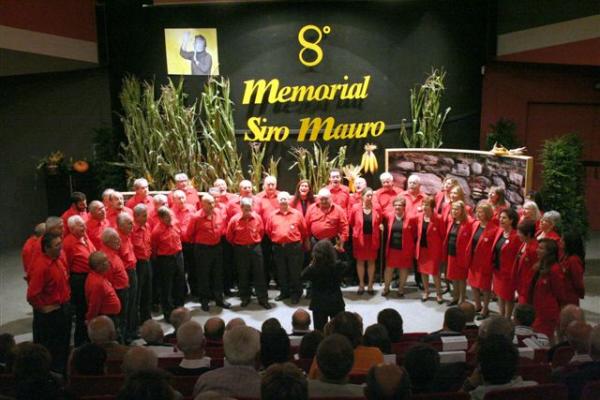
(343, 285)
(400, 295)
(424, 298)
(453, 303)
(282, 297)
(385, 292)
(439, 299)
(224, 304)
(295, 300)
(482, 316)
(265, 304)
(360, 291)
(371, 292)
(245, 302)
(205, 306)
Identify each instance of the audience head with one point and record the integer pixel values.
(496, 326)
(524, 314)
(578, 336)
(148, 384)
(392, 320)
(7, 344)
(422, 362)
(595, 343)
(214, 328)
(335, 357)
(498, 358)
(241, 345)
(387, 382)
(283, 381)
(89, 359)
(274, 346)
(190, 339)
(152, 332)
(347, 324)
(454, 319)
(468, 310)
(376, 336)
(233, 323)
(179, 316)
(137, 359)
(270, 324)
(30, 361)
(101, 330)
(568, 314)
(300, 320)
(309, 344)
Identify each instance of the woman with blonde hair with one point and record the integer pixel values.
(456, 248)
(430, 238)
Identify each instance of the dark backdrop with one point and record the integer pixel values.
(394, 42)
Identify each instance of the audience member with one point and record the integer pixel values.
(233, 323)
(387, 382)
(376, 336)
(212, 395)
(7, 343)
(190, 340)
(585, 372)
(239, 377)
(523, 317)
(138, 359)
(179, 316)
(578, 336)
(392, 320)
(309, 344)
(422, 363)
(283, 381)
(300, 322)
(270, 324)
(148, 384)
(88, 359)
(454, 324)
(214, 328)
(101, 331)
(274, 347)
(335, 358)
(568, 314)
(471, 329)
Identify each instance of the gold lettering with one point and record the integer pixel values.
(260, 87)
(316, 124)
(254, 126)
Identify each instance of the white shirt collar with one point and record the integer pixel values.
(204, 362)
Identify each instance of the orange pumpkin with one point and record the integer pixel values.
(81, 166)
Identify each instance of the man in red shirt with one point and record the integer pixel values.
(117, 276)
(325, 220)
(183, 213)
(49, 293)
(414, 197)
(383, 198)
(234, 207)
(183, 183)
(224, 196)
(245, 231)
(340, 194)
(158, 201)
(205, 231)
(287, 230)
(117, 206)
(140, 186)
(100, 295)
(96, 222)
(142, 249)
(78, 207)
(53, 225)
(30, 244)
(106, 197)
(166, 247)
(266, 204)
(77, 248)
(124, 229)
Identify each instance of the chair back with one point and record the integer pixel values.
(83, 385)
(442, 396)
(562, 356)
(540, 373)
(185, 384)
(537, 392)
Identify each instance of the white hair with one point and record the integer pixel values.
(181, 177)
(107, 193)
(533, 205)
(75, 220)
(241, 345)
(140, 182)
(414, 178)
(246, 201)
(245, 182)
(386, 176)
(52, 222)
(137, 359)
(360, 179)
(151, 332)
(139, 209)
(552, 216)
(108, 234)
(160, 198)
(283, 195)
(115, 194)
(270, 178)
(208, 197)
(179, 193)
(324, 193)
(219, 181)
(190, 337)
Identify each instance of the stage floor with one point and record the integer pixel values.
(16, 314)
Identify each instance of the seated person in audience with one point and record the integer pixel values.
(569, 313)
(493, 325)
(497, 359)
(300, 323)
(235, 322)
(392, 320)
(101, 331)
(376, 336)
(214, 328)
(523, 317)
(239, 378)
(148, 384)
(138, 359)
(212, 395)
(578, 336)
(335, 358)
(454, 323)
(88, 359)
(270, 324)
(347, 324)
(309, 344)
(585, 372)
(190, 340)
(274, 347)
(471, 328)
(283, 381)
(387, 382)
(153, 336)
(7, 343)
(428, 375)
(179, 316)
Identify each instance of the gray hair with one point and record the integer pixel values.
(179, 193)
(385, 176)
(151, 331)
(122, 218)
(552, 216)
(101, 330)
(108, 234)
(160, 198)
(181, 177)
(246, 201)
(497, 325)
(190, 337)
(282, 195)
(74, 220)
(137, 359)
(114, 194)
(94, 205)
(241, 345)
(107, 193)
(140, 209)
(414, 178)
(270, 178)
(234, 323)
(179, 316)
(52, 222)
(208, 197)
(163, 211)
(324, 193)
(140, 182)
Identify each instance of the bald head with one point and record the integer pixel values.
(214, 328)
(137, 359)
(234, 323)
(301, 320)
(387, 382)
(179, 316)
(578, 336)
(468, 310)
(152, 332)
(101, 330)
(568, 314)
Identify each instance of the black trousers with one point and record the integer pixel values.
(121, 318)
(288, 259)
(320, 318)
(209, 270)
(229, 273)
(132, 306)
(79, 303)
(144, 290)
(268, 262)
(172, 282)
(249, 262)
(53, 331)
(190, 269)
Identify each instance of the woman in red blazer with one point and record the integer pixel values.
(430, 238)
(481, 249)
(443, 196)
(456, 249)
(547, 291)
(456, 194)
(548, 224)
(400, 246)
(497, 199)
(505, 251)
(573, 266)
(365, 222)
(530, 211)
(526, 258)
